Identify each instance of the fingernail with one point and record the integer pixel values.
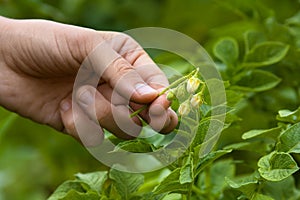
(86, 98)
(65, 105)
(144, 89)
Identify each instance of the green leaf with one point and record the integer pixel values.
(289, 140)
(247, 185)
(171, 184)
(256, 133)
(207, 129)
(233, 97)
(227, 51)
(207, 159)
(294, 20)
(253, 38)
(150, 195)
(285, 189)
(255, 81)
(218, 171)
(75, 195)
(289, 116)
(173, 196)
(189, 121)
(259, 146)
(186, 171)
(258, 196)
(126, 183)
(74, 190)
(216, 174)
(277, 166)
(94, 180)
(7, 122)
(266, 53)
(135, 146)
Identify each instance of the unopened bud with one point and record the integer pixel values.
(192, 84)
(171, 96)
(181, 92)
(196, 100)
(184, 108)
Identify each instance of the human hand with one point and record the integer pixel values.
(39, 61)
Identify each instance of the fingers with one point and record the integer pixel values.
(137, 57)
(128, 82)
(114, 118)
(159, 116)
(75, 122)
(122, 63)
(81, 121)
(120, 74)
(161, 113)
(165, 122)
(128, 69)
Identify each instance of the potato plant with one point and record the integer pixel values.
(257, 155)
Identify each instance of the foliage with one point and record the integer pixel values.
(255, 45)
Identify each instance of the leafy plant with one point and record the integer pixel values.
(259, 162)
(255, 45)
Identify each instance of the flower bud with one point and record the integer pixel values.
(171, 96)
(181, 92)
(196, 100)
(192, 84)
(184, 108)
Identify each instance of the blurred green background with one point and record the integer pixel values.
(34, 159)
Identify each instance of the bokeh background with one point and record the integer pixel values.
(35, 159)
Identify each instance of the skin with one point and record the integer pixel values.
(39, 61)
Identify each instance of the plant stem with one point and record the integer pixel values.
(174, 84)
(197, 190)
(139, 110)
(189, 194)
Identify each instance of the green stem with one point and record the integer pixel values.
(208, 180)
(197, 190)
(189, 194)
(174, 84)
(203, 88)
(139, 110)
(177, 82)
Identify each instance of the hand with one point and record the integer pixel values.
(39, 61)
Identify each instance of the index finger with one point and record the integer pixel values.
(135, 55)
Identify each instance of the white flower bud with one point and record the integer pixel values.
(184, 108)
(196, 100)
(192, 84)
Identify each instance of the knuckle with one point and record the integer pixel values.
(102, 113)
(70, 127)
(121, 68)
(125, 37)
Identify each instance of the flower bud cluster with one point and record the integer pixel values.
(186, 91)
